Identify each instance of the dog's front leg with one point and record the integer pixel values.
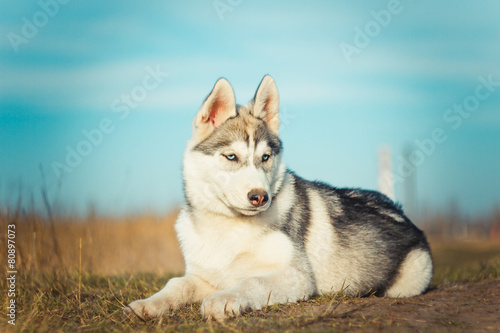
(177, 292)
(255, 293)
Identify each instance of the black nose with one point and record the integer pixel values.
(258, 197)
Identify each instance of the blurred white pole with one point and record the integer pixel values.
(385, 175)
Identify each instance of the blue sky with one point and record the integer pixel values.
(65, 69)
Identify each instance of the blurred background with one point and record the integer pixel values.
(97, 98)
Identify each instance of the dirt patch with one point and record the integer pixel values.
(450, 307)
(466, 305)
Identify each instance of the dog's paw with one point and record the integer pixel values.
(223, 304)
(144, 309)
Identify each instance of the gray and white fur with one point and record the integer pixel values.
(254, 234)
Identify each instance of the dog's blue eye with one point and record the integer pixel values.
(231, 157)
(265, 157)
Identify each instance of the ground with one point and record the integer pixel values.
(451, 307)
(465, 296)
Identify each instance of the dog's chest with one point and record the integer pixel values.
(225, 253)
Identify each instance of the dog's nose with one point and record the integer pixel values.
(258, 197)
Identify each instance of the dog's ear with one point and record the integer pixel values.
(266, 103)
(218, 107)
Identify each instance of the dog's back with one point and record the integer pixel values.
(358, 241)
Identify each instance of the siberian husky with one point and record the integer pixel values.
(254, 234)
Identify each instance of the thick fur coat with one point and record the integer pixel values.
(253, 233)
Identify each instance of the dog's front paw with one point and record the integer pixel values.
(145, 309)
(223, 304)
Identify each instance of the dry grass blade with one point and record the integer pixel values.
(48, 207)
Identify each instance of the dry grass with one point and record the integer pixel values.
(109, 246)
(62, 287)
(465, 260)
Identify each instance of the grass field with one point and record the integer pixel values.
(77, 276)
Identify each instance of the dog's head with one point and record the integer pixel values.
(232, 164)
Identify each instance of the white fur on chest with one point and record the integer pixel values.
(224, 251)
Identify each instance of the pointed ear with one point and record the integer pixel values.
(218, 107)
(266, 103)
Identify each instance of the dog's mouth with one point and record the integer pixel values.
(251, 211)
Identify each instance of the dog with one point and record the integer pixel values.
(253, 233)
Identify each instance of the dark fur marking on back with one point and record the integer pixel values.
(353, 211)
(298, 220)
